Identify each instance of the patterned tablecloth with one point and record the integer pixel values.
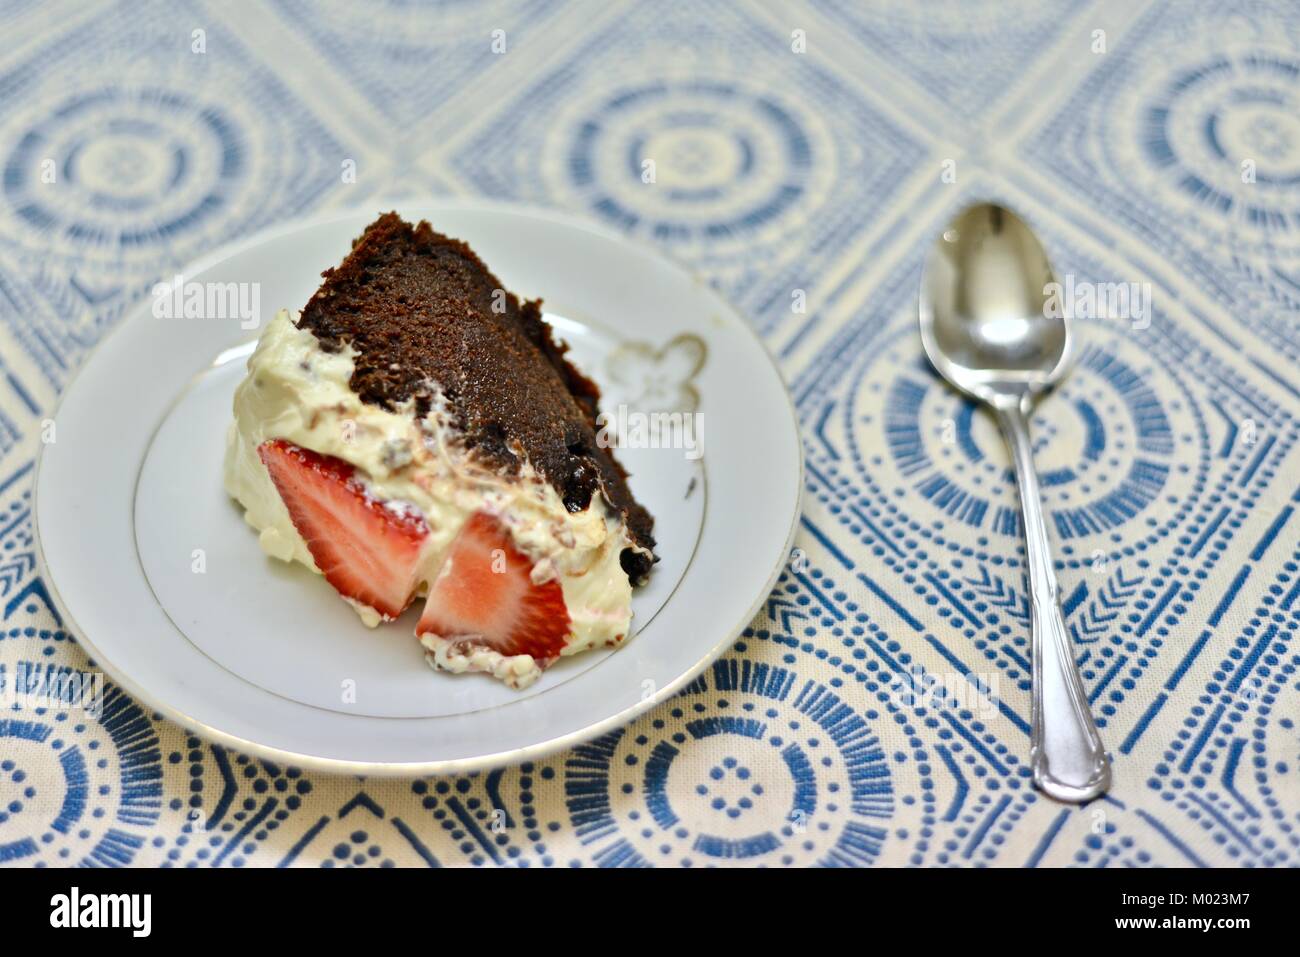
(806, 156)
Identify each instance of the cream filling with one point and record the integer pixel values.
(296, 391)
(516, 671)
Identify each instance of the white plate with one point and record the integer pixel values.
(169, 592)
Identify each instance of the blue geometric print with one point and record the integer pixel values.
(994, 41)
(408, 73)
(1161, 133)
(109, 185)
(876, 711)
(743, 177)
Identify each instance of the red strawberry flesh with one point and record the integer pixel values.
(485, 596)
(370, 553)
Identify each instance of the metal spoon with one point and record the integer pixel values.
(992, 329)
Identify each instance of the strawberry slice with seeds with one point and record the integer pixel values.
(485, 596)
(366, 550)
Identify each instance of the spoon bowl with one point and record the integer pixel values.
(991, 321)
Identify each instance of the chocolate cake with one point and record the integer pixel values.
(421, 311)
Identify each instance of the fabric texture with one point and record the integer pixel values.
(807, 155)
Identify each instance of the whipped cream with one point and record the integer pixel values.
(297, 391)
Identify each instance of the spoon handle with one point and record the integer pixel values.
(1068, 758)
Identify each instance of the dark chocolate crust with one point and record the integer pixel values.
(419, 307)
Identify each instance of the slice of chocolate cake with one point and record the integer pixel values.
(422, 313)
(419, 431)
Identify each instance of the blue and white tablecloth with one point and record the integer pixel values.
(807, 154)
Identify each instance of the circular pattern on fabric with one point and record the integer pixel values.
(1215, 138)
(760, 767)
(691, 162)
(1121, 449)
(76, 753)
(124, 169)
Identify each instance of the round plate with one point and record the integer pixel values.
(169, 592)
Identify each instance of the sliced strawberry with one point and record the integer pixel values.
(485, 596)
(368, 552)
